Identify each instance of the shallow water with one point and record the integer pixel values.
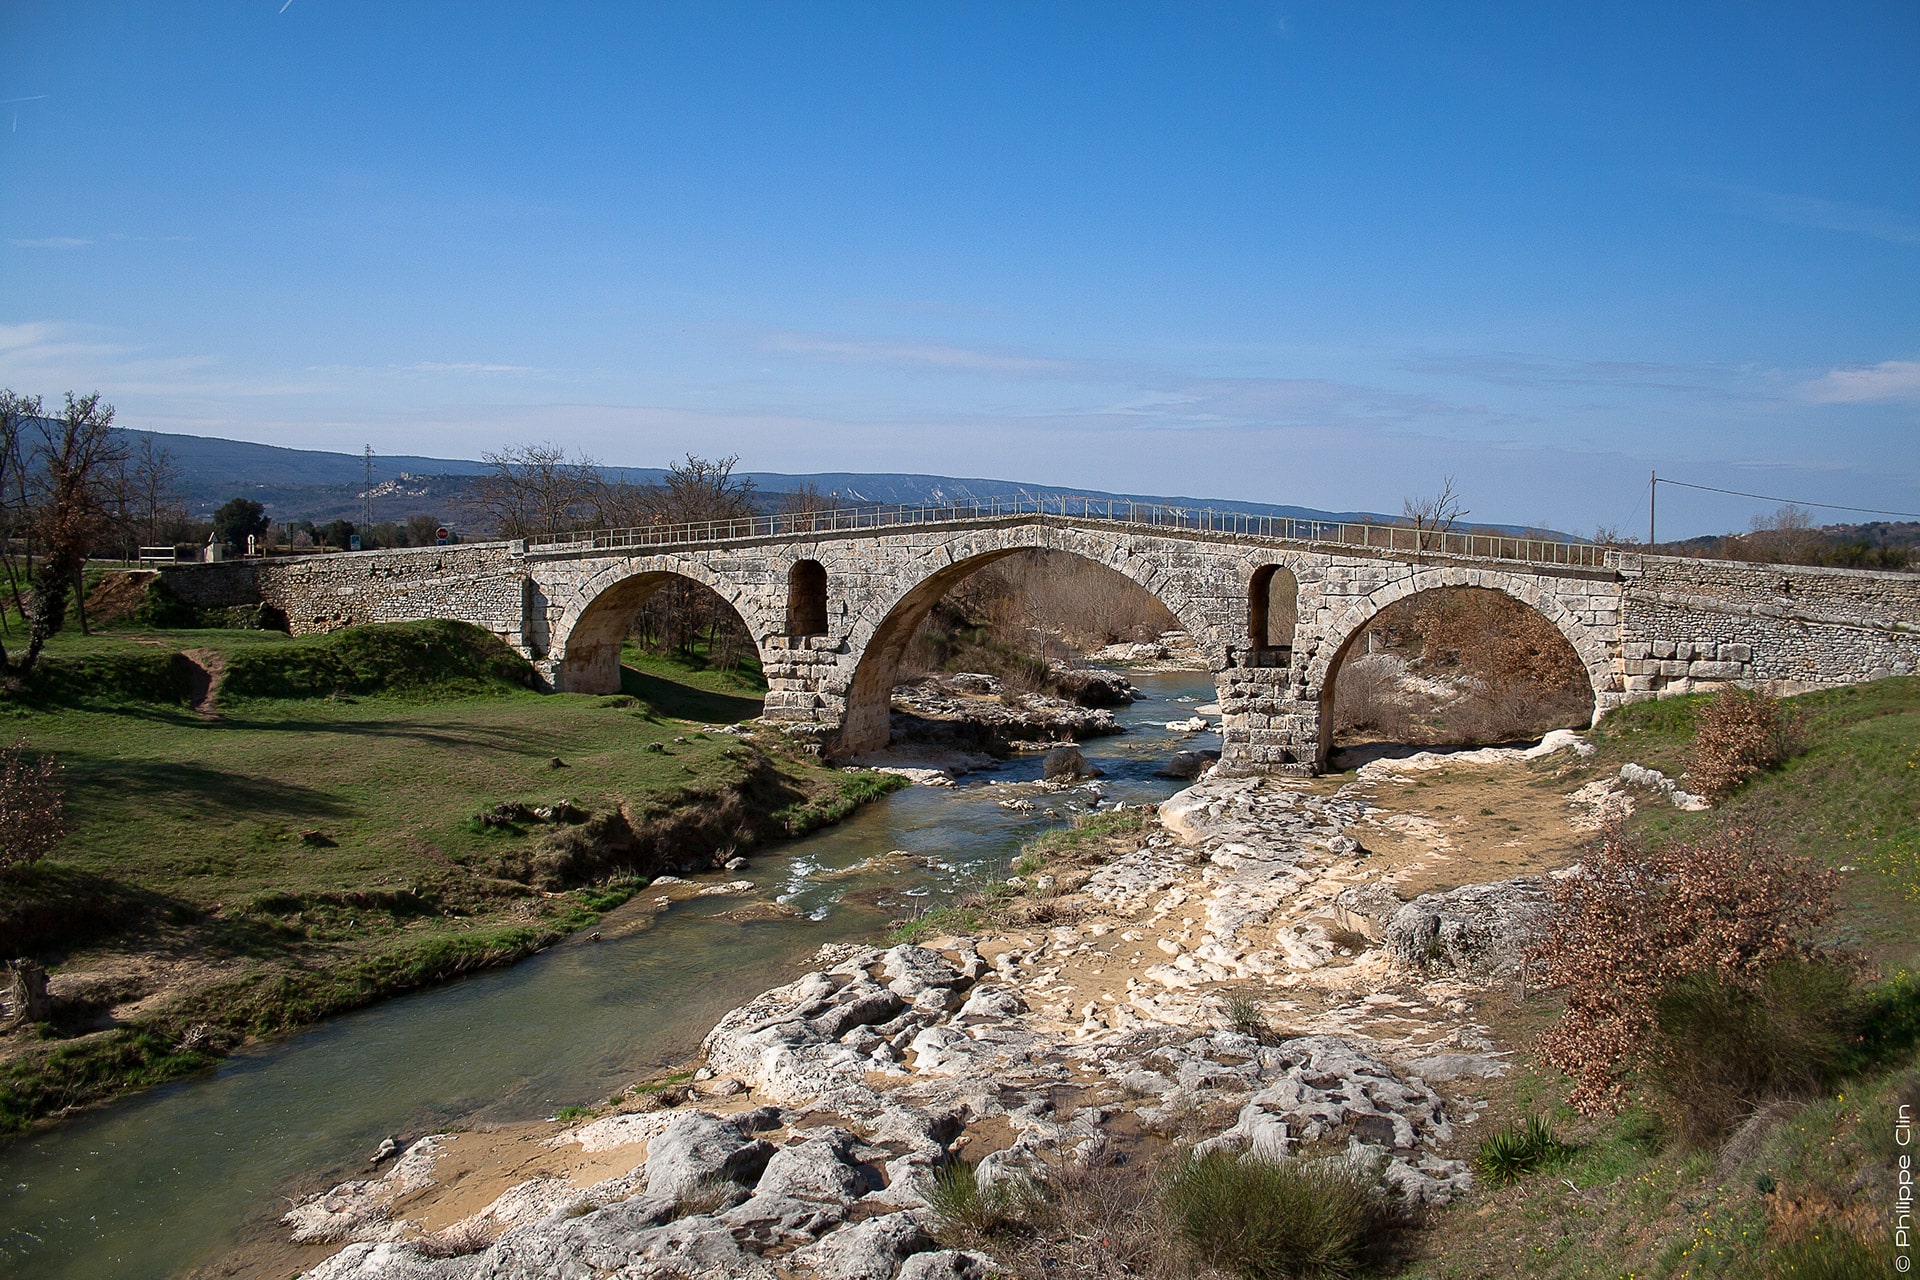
(152, 1186)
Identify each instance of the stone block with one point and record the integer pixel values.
(1704, 670)
(1663, 648)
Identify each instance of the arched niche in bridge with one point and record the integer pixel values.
(662, 612)
(1273, 611)
(866, 725)
(807, 599)
(1453, 666)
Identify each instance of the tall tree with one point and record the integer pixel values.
(73, 463)
(534, 490)
(237, 520)
(18, 413)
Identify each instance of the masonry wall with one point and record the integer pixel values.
(1693, 624)
(480, 583)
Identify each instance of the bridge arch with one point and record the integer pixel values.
(884, 629)
(1590, 643)
(583, 654)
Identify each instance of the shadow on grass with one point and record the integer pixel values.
(191, 790)
(49, 905)
(683, 702)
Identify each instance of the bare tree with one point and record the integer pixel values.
(534, 490)
(73, 464)
(17, 412)
(1434, 517)
(808, 500)
(697, 489)
(682, 616)
(155, 484)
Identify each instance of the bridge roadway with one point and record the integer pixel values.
(832, 599)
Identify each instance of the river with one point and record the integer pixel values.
(160, 1183)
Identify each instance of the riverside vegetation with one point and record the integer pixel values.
(265, 830)
(1383, 1102)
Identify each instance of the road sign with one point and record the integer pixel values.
(353, 542)
(442, 536)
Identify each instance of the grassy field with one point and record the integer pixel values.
(357, 814)
(1813, 1193)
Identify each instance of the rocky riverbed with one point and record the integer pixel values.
(1289, 968)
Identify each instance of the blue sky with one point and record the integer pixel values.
(1320, 254)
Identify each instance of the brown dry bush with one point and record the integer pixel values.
(1518, 675)
(32, 806)
(1036, 599)
(1742, 733)
(1638, 920)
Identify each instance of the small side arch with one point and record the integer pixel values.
(1273, 613)
(807, 599)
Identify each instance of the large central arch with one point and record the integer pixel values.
(1591, 647)
(882, 636)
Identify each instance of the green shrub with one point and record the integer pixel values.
(971, 1212)
(1722, 1048)
(1519, 1149)
(1244, 1015)
(1284, 1220)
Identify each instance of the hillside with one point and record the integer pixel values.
(310, 484)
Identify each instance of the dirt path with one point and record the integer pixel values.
(208, 666)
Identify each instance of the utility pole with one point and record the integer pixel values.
(1653, 491)
(369, 493)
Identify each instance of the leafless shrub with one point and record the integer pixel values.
(1726, 905)
(1742, 733)
(1434, 516)
(32, 806)
(1367, 697)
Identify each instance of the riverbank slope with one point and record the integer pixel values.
(265, 831)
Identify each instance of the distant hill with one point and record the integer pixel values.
(311, 484)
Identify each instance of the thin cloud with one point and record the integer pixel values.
(1827, 215)
(921, 354)
(1890, 381)
(431, 366)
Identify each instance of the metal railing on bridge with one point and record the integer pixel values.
(1401, 538)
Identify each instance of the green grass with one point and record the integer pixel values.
(854, 790)
(312, 845)
(1811, 1198)
(687, 688)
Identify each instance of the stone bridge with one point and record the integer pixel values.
(832, 600)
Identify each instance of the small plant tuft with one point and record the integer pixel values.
(1519, 1149)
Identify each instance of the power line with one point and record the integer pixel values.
(1798, 502)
